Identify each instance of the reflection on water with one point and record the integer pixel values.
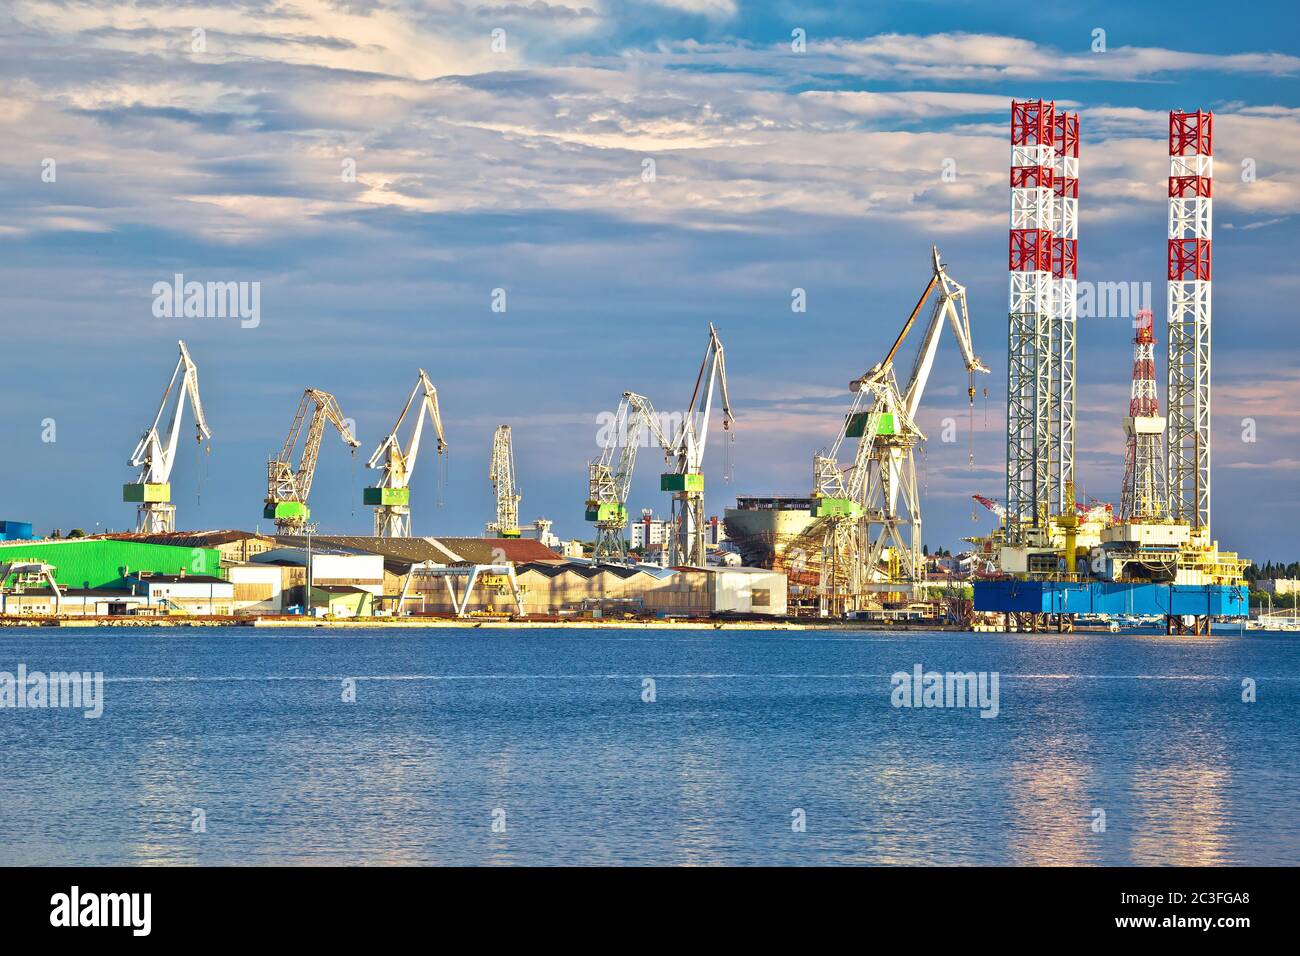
(1052, 812)
(550, 728)
(700, 812)
(1182, 816)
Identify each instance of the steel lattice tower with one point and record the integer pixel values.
(1143, 494)
(1191, 170)
(1029, 381)
(1065, 274)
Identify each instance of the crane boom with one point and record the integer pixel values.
(391, 497)
(952, 297)
(501, 472)
(287, 489)
(151, 491)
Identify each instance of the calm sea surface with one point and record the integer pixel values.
(547, 732)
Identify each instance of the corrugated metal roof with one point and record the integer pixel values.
(490, 550)
(189, 539)
(398, 553)
(587, 570)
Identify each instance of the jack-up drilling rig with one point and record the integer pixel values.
(151, 491)
(610, 475)
(1145, 490)
(391, 498)
(501, 472)
(867, 506)
(287, 490)
(685, 454)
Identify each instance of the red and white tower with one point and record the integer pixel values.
(1029, 367)
(1191, 171)
(1143, 494)
(1065, 275)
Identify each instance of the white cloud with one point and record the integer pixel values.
(708, 8)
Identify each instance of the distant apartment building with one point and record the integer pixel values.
(1280, 586)
(650, 532)
(647, 530)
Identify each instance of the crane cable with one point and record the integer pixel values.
(970, 410)
(444, 469)
(199, 463)
(728, 453)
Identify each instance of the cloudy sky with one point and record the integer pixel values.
(502, 146)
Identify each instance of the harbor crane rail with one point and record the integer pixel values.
(391, 497)
(287, 488)
(151, 491)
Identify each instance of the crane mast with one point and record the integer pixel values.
(871, 511)
(685, 454)
(391, 497)
(610, 475)
(287, 489)
(151, 491)
(501, 472)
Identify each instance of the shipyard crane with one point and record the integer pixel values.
(501, 472)
(151, 491)
(287, 489)
(610, 475)
(685, 455)
(868, 505)
(391, 498)
(998, 510)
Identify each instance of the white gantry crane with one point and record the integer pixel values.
(391, 498)
(28, 574)
(610, 475)
(868, 506)
(685, 454)
(501, 472)
(152, 491)
(287, 489)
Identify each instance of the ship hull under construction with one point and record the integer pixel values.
(764, 529)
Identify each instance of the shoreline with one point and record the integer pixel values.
(429, 623)
(473, 624)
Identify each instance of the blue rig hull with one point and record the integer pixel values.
(1110, 598)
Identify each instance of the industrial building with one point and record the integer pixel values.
(108, 563)
(15, 531)
(583, 588)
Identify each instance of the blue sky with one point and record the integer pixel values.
(521, 169)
